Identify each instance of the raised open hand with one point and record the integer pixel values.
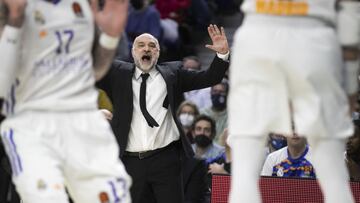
(218, 38)
(113, 17)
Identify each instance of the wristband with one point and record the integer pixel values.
(108, 41)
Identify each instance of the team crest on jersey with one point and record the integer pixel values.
(280, 172)
(39, 17)
(77, 10)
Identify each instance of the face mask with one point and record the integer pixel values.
(278, 143)
(202, 141)
(186, 119)
(218, 101)
(137, 4)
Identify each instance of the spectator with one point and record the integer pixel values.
(290, 161)
(222, 163)
(200, 14)
(143, 18)
(187, 112)
(173, 13)
(173, 9)
(218, 110)
(203, 131)
(200, 97)
(275, 142)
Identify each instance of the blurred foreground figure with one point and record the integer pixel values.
(53, 133)
(287, 66)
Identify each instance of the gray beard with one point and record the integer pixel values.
(138, 64)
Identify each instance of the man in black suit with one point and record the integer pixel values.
(145, 97)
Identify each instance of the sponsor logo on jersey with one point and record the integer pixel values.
(77, 10)
(39, 17)
(282, 7)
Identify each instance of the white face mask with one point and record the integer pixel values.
(186, 119)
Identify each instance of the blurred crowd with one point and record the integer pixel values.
(179, 25)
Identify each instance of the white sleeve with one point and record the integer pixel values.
(268, 166)
(9, 53)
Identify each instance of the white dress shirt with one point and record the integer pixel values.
(141, 136)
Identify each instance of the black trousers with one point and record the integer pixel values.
(156, 179)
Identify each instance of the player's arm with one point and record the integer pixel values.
(111, 21)
(348, 27)
(12, 14)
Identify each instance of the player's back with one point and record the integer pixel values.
(321, 9)
(55, 67)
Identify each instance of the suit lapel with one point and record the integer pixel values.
(170, 80)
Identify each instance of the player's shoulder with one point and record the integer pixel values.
(278, 154)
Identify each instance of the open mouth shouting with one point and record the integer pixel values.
(146, 58)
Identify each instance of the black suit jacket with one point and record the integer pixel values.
(118, 85)
(195, 180)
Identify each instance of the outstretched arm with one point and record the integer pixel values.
(111, 21)
(12, 14)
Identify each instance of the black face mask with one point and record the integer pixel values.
(218, 101)
(137, 4)
(202, 140)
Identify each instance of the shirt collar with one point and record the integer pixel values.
(153, 72)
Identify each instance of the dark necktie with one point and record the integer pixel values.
(149, 119)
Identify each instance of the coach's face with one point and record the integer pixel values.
(145, 52)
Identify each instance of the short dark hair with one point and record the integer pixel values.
(225, 83)
(203, 117)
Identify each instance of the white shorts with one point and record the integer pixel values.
(49, 151)
(281, 60)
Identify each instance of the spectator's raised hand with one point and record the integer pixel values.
(218, 38)
(112, 18)
(16, 10)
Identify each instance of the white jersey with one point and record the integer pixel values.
(322, 9)
(55, 68)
